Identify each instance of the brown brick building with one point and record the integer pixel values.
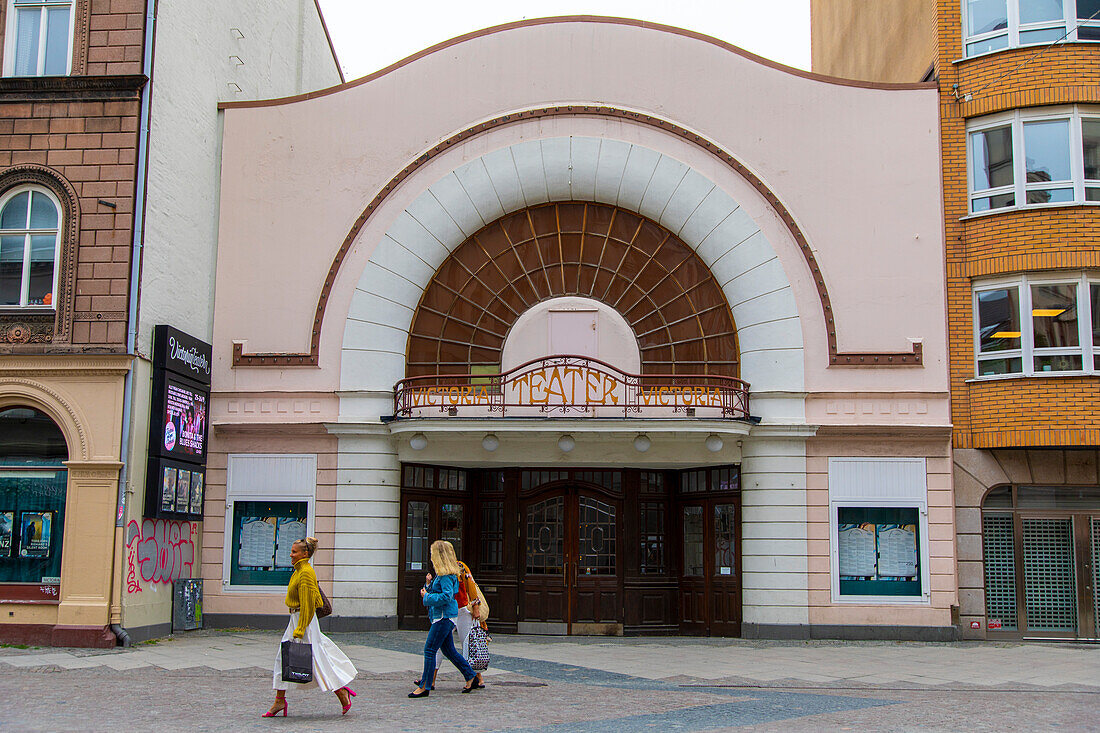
(70, 103)
(1020, 135)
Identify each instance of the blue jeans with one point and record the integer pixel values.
(439, 638)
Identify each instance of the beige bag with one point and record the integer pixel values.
(482, 607)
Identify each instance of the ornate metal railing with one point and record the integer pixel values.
(570, 384)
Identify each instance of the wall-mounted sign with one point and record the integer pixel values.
(178, 352)
(178, 425)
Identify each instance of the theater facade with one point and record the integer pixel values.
(650, 328)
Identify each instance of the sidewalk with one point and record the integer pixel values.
(567, 684)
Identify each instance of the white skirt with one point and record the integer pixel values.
(331, 667)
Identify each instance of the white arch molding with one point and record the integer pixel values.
(593, 168)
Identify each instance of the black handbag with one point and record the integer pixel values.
(297, 661)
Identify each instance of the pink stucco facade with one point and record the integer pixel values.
(737, 157)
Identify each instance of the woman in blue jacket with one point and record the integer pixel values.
(439, 598)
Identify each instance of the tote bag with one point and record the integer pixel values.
(479, 649)
(297, 661)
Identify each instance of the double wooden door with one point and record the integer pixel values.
(571, 562)
(710, 579)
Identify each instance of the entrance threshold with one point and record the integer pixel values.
(545, 628)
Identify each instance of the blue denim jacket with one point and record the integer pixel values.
(440, 598)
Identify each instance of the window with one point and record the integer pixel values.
(878, 516)
(39, 34)
(269, 504)
(492, 535)
(1061, 335)
(1035, 157)
(653, 538)
(29, 244)
(992, 25)
(32, 499)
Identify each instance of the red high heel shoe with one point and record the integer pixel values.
(351, 694)
(272, 714)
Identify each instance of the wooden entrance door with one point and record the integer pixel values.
(710, 585)
(571, 561)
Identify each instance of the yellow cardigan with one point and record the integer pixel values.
(302, 593)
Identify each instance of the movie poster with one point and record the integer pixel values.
(35, 532)
(7, 527)
(183, 491)
(168, 490)
(196, 492)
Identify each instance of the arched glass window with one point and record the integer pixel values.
(30, 236)
(39, 38)
(32, 503)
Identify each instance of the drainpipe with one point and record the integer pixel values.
(124, 475)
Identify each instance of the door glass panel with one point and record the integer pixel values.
(416, 536)
(724, 518)
(653, 538)
(596, 554)
(545, 537)
(1050, 590)
(999, 551)
(693, 541)
(450, 519)
(492, 535)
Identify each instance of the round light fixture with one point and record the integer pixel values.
(642, 442)
(418, 442)
(714, 443)
(566, 443)
(490, 442)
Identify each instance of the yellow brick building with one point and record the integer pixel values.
(1019, 84)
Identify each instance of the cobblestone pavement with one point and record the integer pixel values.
(218, 680)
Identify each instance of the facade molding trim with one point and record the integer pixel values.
(693, 35)
(836, 357)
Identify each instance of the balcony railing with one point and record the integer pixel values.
(572, 385)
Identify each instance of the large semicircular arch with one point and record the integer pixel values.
(835, 357)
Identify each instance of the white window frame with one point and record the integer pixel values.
(10, 35)
(858, 482)
(1027, 351)
(281, 485)
(1068, 24)
(1015, 120)
(27, 233)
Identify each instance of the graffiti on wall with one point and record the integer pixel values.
(158, 551)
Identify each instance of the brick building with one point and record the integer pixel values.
(1019, 85)
(90, 178)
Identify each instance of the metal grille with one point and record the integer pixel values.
(999, 550)
(597, 538)
(545, 537)
(1050, 591)
(1096, 573)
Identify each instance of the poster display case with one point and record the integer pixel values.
(879, 551)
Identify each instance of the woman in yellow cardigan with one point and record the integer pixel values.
(332, 670)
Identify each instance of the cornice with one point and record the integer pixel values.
(63, 88)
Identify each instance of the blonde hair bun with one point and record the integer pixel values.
(311, 545)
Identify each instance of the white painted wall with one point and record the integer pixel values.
(532, 335)
(284, 51)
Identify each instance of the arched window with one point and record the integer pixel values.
(39, 38)
(30, 236)
(32, 503)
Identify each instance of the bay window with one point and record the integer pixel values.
(39, 38)
(1034, 157)
(992, 25)
(1038, 324)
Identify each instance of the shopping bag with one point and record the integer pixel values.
(479, 649)
(297, 661)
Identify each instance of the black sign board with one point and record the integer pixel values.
(178, 425)
(175, 351)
